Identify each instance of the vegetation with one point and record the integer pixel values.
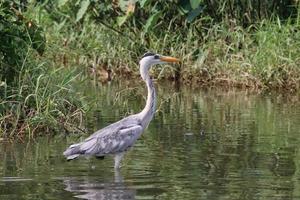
(35, 96)
(254, 45)
(47, 46)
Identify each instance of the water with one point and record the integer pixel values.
(202, 144)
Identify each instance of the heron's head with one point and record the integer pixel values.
(149, 59)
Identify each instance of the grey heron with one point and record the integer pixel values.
(118, 137)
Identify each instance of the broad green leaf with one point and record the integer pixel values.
(143, 2)
(151, 21)
(62, 2)
(83, 8)
(184, 7)
(195, 3)
(194, 13)
(123, 5)
(121, 20)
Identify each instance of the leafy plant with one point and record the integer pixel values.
(17, 35)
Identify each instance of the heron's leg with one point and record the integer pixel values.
(118, 159)
(118, 176)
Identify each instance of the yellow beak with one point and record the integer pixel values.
(169, 59)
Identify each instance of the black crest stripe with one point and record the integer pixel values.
(148, 54)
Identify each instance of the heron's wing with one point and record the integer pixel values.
(115, 127)
(100, 141)
(114, 142)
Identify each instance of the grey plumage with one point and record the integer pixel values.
(113, 139)
(120, 136)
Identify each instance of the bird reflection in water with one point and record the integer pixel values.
(92, 189)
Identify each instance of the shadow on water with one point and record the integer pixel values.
(202, 144)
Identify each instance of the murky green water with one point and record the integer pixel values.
(201, 145)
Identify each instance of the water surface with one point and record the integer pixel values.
(202, 144)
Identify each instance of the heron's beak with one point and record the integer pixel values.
(169, 59)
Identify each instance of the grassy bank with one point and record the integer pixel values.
(262, 56)
(48, 48)
(265, 59)
(42, 102)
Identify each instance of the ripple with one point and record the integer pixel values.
(14, 179)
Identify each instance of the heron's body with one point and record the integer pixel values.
(118, 137)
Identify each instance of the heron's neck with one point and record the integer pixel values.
(149, 109)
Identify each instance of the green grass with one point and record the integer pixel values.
(44, 101)
(263, 56)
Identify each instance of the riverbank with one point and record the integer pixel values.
(262, 59)
(256, 62)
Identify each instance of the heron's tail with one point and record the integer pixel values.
(73, 151)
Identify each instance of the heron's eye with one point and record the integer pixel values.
(156, 57)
